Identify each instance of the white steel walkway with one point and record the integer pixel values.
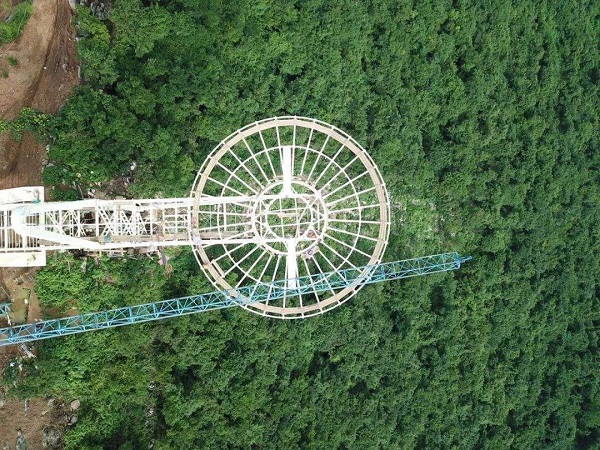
(29, 227)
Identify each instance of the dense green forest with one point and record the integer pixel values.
(488, 110)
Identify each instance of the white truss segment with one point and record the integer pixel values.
(291, 264)
(286, 169)
(27, 194)
(17, 250)
(95, 224)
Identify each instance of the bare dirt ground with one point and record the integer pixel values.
(43, 77)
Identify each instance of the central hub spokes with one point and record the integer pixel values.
(281, 217)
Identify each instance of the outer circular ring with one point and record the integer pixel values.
(378, 208)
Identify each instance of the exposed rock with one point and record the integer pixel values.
(75, 404)
(21, 443)
(99, 9)
(51, 438)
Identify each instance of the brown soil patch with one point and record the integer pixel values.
(43, 78)
(46, 69)
(13, 417)
(30, 419)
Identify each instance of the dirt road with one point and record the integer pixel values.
(41, 68)
(43, 77)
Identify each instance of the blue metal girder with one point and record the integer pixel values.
(227, 298)
(4, 309)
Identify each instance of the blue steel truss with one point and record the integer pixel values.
(4, 309)
(224, 299)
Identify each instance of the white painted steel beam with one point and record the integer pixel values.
(285, 197)
(291, 264)
(286, 169)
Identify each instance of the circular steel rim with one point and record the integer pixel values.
(215, 272)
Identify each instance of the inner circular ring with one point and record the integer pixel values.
(299, 215)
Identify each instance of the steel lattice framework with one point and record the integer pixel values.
(4, 309)
(247, 296)
(288, 216)
(282, 198)
(299, 197)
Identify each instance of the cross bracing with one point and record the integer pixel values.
(4, 309)
(95, 224)
(245, 296)
(282, 198)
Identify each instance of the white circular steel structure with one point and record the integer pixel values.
(288, 197)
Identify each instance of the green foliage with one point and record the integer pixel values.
(96, 284)
(484, 120)
(98, 64)
(15, 21)
(29, 119)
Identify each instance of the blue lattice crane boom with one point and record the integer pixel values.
(242, 296)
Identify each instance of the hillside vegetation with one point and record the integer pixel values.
(13, 20)
(483, 117)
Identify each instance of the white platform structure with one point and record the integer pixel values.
(281, 198)
(29, 228)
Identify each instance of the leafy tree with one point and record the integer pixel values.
(483, 118)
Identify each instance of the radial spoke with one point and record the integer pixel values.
(206, 243)
(241, 260)
(264, 271)
(248, 273)
(253, 190)
(309, 274)
(291, 264)
(306, 152)
(319, 154)
(266, 152)
(331, 161)
(224, 186)
(340, 172)
(227, 252)
(222, 233)
(336, 253)
(275, 276)
(375, 222)
(323, 271)
(355, 194)
(352, 248)
(354, 234)
(286, 169)
(258, 164)
(245, 167)
(354, 209)
(350, 182)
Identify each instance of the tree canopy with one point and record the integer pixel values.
(483, 117)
